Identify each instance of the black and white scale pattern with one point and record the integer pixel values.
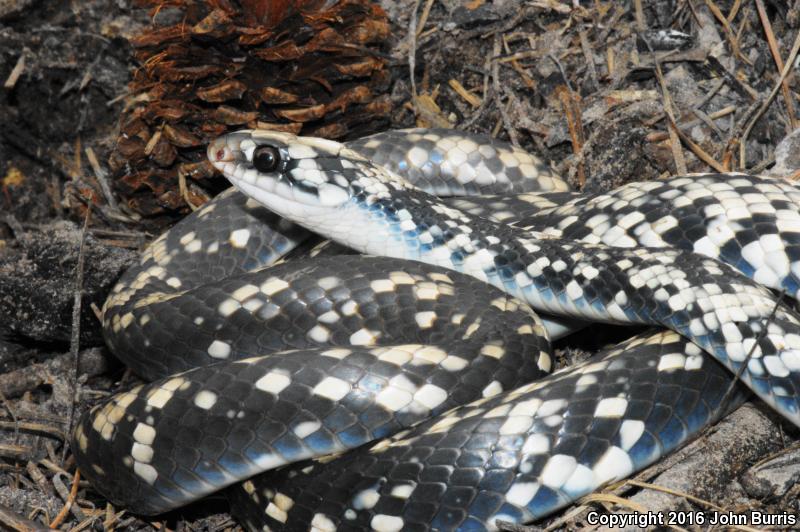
(453, 163)
(512, 208)
(184, 436)
(234, 235)
(749, 222)
(339, 194)
(230, 236)
(514, 457)
(202, 295)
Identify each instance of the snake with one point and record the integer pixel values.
(409, 388)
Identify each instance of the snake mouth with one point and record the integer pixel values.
(220, 154)
(273, 168)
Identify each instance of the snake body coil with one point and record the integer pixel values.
(377, 345)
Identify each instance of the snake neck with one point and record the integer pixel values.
(413, 225)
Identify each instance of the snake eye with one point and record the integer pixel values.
(266, 158)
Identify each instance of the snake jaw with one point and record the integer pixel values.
(306, 176)
(219, 152)
(229, 148)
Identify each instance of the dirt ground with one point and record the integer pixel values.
(607, 92)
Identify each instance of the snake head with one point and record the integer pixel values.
(293, 176)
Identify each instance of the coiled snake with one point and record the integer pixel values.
(316, 359)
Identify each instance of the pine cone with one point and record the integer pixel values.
(306, 66)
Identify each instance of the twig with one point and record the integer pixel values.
(121, 96)
(734, 10)
(16, 72)
(512, 134)
(466, 95)
(615, 499)
(677, 493)
(8, 518)
(674, 131)
(728, 31)
(784, 73)
(554, 5)
(776, 56)
(661, 135)
(762, 165)
(39, 478)
(701, 154)
(735, 130)
(526, 78)
(52, 466)
(742, 88)
(710, 94)
(34, 428)
(561, 70)
(423, 18)
(672, 126)
(100, 175)
(73, 493)
(693, 11)
(611, 25)
(707, 121)
(697, 500)
(639, 11)
(75, 338)
(13, 415)
(15, 452)
(587, 52)
(29, 377)
(86, 523)
(777, 454)
(478, 113)
(184, 190)
(575, 127)
(113, 518)
(721, 410)
(744, 25)
(412, 51)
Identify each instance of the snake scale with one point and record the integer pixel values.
(424, 360)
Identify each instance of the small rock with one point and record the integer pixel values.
(708, 37)
(623, 157)
(787, 155)
(683, 87)
(772, 479)
(37, 283)
(465, 17)
(12, 8)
